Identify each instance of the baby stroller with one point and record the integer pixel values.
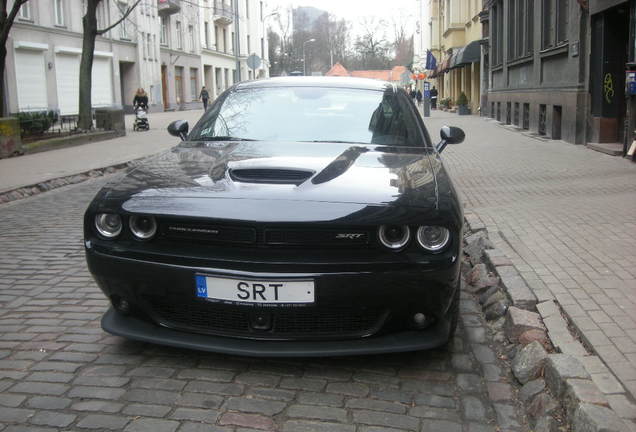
(141, 119)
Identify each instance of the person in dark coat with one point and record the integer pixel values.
(204, 96)
(418, 96)
(141, 99)
(434, 98)
(412, 93)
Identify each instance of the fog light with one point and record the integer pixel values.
(120, 304)
(419, 319)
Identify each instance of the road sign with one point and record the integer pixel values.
(254, 61)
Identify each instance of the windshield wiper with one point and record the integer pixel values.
(222, 138)
(335, 141)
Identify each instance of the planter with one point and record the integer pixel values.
(463, 110)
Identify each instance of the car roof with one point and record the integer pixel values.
(312, 81)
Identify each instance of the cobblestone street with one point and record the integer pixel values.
(565, 216)
(60, 371)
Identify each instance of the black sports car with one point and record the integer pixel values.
(299, 217)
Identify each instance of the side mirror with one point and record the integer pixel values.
(179, 128)
(450, 135)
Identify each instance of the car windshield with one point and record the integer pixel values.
(312, 114)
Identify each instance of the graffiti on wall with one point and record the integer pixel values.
(608, 88)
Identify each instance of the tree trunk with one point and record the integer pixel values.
(89, 22)
(3, 57)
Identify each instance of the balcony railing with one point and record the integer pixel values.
(168, 7)
(223, 13)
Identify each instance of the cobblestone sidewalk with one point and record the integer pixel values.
(60, 371)
(566, 217)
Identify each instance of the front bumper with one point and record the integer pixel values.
(133, 328)
(398, 293)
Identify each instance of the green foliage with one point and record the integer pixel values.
(462, 99)
(445, 103)
(36, 122)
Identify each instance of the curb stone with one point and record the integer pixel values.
(571, 373)
(58, 182)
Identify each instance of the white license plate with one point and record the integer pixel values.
(254, 291)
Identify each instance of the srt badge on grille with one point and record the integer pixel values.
(349, 236)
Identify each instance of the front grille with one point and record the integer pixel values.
(297, 237)
(286, 323)
(207, 233)
(270, 175)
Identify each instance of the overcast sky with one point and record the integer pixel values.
(355, 10)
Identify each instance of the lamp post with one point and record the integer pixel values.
(304, 62)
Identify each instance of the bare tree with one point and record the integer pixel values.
(6, 21)
(89, 22)
(371, 48)
(402, 42)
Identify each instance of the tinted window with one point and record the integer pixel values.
(312, 114)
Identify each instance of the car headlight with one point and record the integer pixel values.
(143, 227)
(394, 236)
(108, 225)
(433, 238)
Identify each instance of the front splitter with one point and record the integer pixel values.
(133, 328)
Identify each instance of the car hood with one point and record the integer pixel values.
(280, 174)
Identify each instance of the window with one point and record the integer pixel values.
(58, 6)
(555, 23)
(179, 36)
(224, 40)
(191, 38)
(163, 38)
(193, 84)
(206, 40)
(249, 45)
(123, 26)
(149, 43)
(363, 116)
(144, 46)
(520, 28)
(247, 8)
(233, 43)
(261, 9)
(262, 48)
(154, 47)
(497, 32)
(25, 11)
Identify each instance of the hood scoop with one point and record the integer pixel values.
(271, 175)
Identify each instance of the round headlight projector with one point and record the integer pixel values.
(143, 227)
(394, 236)
(108, 225)
(433, 238)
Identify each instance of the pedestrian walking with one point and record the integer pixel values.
(412, 93)
(204, 96)
(418, 96)
(434, 98)
(140, 100)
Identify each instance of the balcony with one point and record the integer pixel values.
(168, 7)
(223, 13)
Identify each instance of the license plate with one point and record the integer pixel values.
(254, 291)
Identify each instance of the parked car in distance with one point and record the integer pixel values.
(301, 216)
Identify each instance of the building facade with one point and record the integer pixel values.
(168, 47)
(454, 32)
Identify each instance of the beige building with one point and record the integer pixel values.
(455, 34)
(168, 47)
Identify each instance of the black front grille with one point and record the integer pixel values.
(286, 323)
(307, 237)
(207, 233)
(270, 175)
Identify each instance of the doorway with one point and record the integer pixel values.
(127, 85)
(164, 86)
(178, 84)
(610, 35)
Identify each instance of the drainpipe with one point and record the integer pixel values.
(237, 43)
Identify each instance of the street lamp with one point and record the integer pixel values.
(304, 62)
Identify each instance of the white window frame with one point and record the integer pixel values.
(163, 37)
(149, 42)
(179, 30)
(58, 12)
(25, 12)
(191, 42)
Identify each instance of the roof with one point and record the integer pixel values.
(394, 74)
(312, 81)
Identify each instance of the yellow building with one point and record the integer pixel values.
(455, 41)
